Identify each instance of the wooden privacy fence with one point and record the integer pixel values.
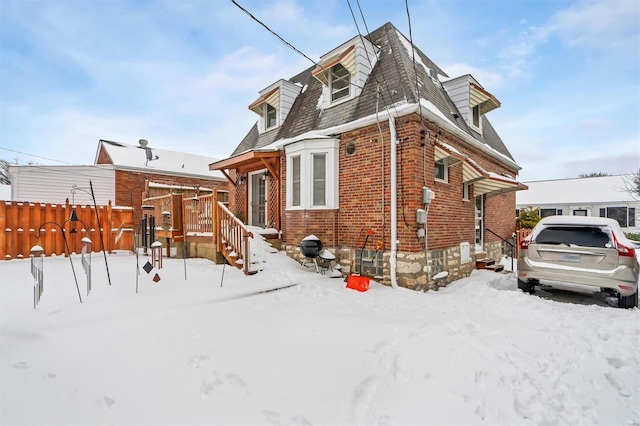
(521, 234)
(24, 225)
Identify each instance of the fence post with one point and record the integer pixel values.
(3, 226)
(214, 221)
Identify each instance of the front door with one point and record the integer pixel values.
(257, 199)
(479, 224)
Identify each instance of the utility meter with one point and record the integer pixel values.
(427, 195)
(421, 216)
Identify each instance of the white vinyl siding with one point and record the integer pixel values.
(53, 184)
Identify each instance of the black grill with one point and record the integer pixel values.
(311, 248)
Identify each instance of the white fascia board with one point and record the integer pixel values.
(428, 110)
(170, 173)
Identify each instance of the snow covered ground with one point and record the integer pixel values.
(208, 350)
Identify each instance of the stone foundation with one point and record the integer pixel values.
(411, 268)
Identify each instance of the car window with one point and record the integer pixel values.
(580, 236)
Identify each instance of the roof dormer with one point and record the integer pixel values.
(274, 104)
(471, 99)
(344, 71)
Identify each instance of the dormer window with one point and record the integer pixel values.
(344, 71)
(475, 115)
(339, 82)
(270, 117)
(274, 104)
(471, 99)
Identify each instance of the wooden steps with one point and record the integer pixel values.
(489, 264)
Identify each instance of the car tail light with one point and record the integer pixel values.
(524, 244)
(624, 250)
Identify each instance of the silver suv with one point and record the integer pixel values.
(590, 251)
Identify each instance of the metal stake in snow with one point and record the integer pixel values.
(37, 271)
(86, 261)
(75, 188)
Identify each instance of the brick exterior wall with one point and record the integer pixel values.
(129, 185)
(364, 178)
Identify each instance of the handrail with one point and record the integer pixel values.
(506, 241)
(512, 249)
(235, 233)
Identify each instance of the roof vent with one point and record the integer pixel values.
(143, 143)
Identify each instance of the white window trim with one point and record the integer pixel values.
(446, 170)
(305, 149)
(473, 126)
(348, 87)
(265, 117)
(465, 191)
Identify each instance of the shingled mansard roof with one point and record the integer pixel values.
(394, 70)
(134, 158)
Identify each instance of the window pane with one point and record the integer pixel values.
(319, 179)
(340, 81)
(476, 115)
(632, 216)
(440, 169)
(547, 212)
(295, 181)
(271, 116)
(619, 214)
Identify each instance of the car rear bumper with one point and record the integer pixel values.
(623, 278)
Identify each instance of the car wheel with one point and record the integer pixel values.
(526, 286)
(628, 302)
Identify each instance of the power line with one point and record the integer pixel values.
(413, 57)
(286, 42)
(384, 79)
(272, 32)
(36, 156)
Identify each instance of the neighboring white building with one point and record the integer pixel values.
(55, 184)
(5, 192)
(607, 196)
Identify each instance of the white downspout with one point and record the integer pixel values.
(394, 203)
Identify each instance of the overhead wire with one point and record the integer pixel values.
(36, 156)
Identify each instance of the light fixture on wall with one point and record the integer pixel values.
(265, 176)
(240, 179)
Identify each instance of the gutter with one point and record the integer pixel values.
(397, 110)
(169, 173)
(394, 202)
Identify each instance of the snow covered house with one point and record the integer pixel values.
(604, 196)
(122, 173)
(368, 146)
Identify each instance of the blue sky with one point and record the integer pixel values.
(182, 73)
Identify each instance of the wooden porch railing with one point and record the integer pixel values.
(198, 214)
(231, 237)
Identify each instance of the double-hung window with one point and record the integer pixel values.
(312, 174)
(295, 181)
(319, 179)
(339, 82)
